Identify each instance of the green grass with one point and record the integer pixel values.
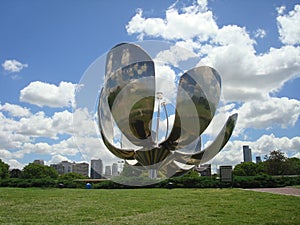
(146, 206)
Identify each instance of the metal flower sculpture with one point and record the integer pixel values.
(127, 101)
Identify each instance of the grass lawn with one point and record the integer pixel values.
(146, 206)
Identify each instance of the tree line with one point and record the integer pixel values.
(246, 174)
(275, 164)
(36, 175)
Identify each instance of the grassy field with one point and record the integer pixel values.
(146, 206)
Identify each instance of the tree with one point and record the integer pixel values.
(15, 173)
(130, 171)
(292, 166)
(71, 176)
(34, 171)
(4, 170)
(248, 169)
(275, 164)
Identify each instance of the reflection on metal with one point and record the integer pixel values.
(167, 117)
(127, 101)
(208, 153)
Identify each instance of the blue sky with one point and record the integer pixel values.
(46, 46)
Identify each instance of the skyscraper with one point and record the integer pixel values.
(96, 168)
(258, 159)
(247, 153)
(81, 168)
(114, 169)
(107, 172)
(68, 167)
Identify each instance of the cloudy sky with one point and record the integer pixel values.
(46, 47)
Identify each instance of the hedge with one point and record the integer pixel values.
(261, 181)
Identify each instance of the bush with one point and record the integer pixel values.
(190, 182)
(108, 184)
(260, 181)
(69, 180)
(265, 181)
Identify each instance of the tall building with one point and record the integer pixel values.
(63, 167)
(258, 159)
(58, 167)
(67, 167)
(114, 169)
(247, 153)
(81, 168)
(107, 172)
(96, 168)
(39, 161)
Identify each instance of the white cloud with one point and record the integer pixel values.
(232, 153)
(13, 66)
(15, 164)
(234, 35)
(20, 137)
(281, 9)
(260, 33)
(192, 22)
(15, 131)
(267, 143)
(93, 148)
(9, 139)
(83, 123)
(248, 78)
(15, 110)
(288, 25)
(44, 94)
(296, 155)
(38, 125)
(245, 75)
(5, 154)
(272, 113)
(165, 83)
(57, 159)
(65, 147)
(39, 148)
(174, 55)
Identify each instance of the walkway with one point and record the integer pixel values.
(283, 190)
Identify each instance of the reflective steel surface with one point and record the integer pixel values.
(127, 101)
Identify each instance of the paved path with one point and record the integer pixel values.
(284, 190)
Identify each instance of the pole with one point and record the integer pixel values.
(153, 172)
(167, 117)
(159, 97)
